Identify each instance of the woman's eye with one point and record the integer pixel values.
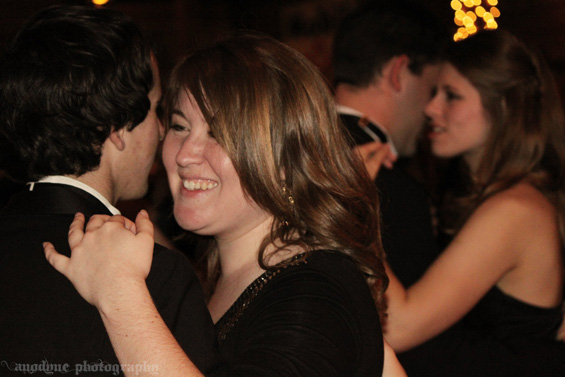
(178, 127)
(451, 95)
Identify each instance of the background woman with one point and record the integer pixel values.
(496, 108)
(258, 166)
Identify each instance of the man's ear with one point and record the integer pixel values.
(117, 138)
(398, 66)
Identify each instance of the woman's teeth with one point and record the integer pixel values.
(199, 185)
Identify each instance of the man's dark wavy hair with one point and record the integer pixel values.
(373, 34)
(71, 76)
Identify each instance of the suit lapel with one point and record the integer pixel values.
(357, 126)
(54, 199)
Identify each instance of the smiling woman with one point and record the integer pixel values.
(259, 169)
(207, 193)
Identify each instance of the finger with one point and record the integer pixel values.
(131, 227)
(58, 261)
(124, 221)
(389, 162)
(76, 232)
(96, 222)
(144, 224)
(383, 150)
(381, 154)
(367, 151)
(374, 164)
(390, 159)
(121, 220)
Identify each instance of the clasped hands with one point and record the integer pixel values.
(108, 259)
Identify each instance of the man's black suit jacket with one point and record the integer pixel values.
(43, 320)
(406, 221)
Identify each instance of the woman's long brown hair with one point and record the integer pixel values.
(527, 141)
(273, 114)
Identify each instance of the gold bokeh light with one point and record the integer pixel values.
(474, 15)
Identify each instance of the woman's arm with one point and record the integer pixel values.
(489, 245)
(108, 266)
(140, 337)
(561, 331)
(392, 367)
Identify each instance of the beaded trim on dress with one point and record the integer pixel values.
(234, 313)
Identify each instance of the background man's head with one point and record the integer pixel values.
(395, 43)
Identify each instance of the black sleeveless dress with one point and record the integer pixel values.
(501, 336)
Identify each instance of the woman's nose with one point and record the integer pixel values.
(191, 150)
(430, 110)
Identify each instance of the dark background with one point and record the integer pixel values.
(307, 25)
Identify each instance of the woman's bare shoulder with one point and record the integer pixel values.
(517, 217)
(522, 200)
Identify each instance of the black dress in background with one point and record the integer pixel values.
(500, 337)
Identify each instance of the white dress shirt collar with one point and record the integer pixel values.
(63, 180)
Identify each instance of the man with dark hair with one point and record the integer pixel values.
(79, 91)
(386, 61)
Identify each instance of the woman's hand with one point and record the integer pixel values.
(108, 259)
(392, 367)
(109, 263)
(374, 155)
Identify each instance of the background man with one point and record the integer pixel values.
(386, 62)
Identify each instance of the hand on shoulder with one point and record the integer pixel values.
(374, 155)
(111, 252)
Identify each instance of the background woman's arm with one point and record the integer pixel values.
(488, 246)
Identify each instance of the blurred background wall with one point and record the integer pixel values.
(307, 25)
